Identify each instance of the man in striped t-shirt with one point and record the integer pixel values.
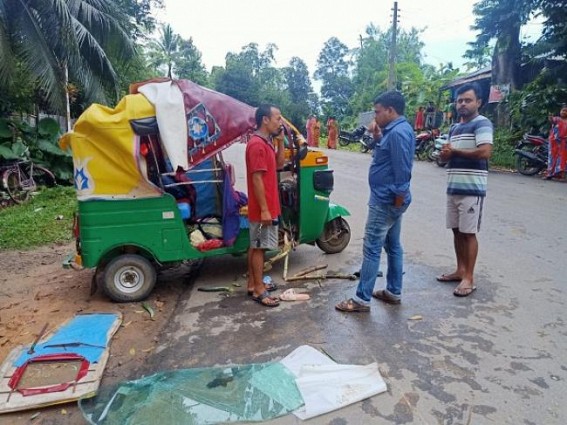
(468, 151)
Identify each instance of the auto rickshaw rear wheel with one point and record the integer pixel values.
(129, 278)
(335, 237)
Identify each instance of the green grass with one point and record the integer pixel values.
(36, 222)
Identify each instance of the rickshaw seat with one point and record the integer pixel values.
(145, 126)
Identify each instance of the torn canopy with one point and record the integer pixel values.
(256, 392)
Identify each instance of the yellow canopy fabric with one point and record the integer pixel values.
(105, 151)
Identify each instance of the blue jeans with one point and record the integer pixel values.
(383, 229)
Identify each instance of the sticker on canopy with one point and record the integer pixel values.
(202, 132)
(84, 183)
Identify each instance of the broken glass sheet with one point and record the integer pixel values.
(256, 392)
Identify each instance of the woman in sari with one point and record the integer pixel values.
(316, 132)
(309, 128)
(557, 146)
(332, 133)
(419, 123)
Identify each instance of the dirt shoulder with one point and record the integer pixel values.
(35, 290)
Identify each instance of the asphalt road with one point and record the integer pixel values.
(496, 357)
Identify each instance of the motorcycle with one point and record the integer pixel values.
(531, 154)
(358, 135)
(424, 144)
(435, 155)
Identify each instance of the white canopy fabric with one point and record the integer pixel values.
(326, 386)
(170, 114)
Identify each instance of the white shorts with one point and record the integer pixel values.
(464, 213)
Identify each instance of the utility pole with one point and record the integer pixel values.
(392, 73)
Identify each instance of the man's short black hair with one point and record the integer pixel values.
(470, 86)
(264, 110)
(392, 99)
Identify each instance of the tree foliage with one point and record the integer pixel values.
(333, 69)
(48, 37)
(302, 98)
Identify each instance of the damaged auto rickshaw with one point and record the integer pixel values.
(152, 186)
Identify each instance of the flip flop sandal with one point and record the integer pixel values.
(446, 279)
(266, 300)
(466, 293)
(351, 306)
(291, 295)
(269, 287)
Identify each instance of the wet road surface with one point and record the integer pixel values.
(496, 357)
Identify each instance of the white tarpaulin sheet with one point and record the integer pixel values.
(170, 114)
(326, 386)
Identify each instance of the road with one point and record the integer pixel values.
(496, 357)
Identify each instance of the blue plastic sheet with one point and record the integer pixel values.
(86, 335)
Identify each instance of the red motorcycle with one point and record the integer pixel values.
(531, 154)
(425, 144)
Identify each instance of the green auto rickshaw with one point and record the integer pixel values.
(153, 188)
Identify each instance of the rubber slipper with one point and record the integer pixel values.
(466, 293)
(291, 295)
(382, 295)
(270, 288)
(266, 300)
(447, 278)
(351, 306)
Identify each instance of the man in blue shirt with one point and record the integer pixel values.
(389, 178)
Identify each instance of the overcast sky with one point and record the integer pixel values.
(301, 27)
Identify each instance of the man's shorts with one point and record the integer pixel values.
(263, 236)
(464, 213)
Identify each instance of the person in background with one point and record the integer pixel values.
(309, 129)
(557, 146)
(430, 116)
(316, 132)
(419, 119)
(448, 114)
(467, 153)
(389, 178)
(332, 133)
(262, 162)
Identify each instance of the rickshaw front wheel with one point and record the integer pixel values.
(335, 237)
(129, 278)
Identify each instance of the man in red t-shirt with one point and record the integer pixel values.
(262, 162)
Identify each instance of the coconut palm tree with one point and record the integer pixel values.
(165, 49)
(52, 38)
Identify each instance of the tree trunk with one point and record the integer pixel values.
(505, 69)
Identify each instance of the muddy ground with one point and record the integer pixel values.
(35, 290)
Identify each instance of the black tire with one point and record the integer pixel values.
(129, 278)
(43, 177)
(429, 152)
(525, 166)
(421, 151)
(363, 148)
(343, 142)
(12, 184)
(335, 237)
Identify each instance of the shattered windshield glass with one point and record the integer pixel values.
(256, 392)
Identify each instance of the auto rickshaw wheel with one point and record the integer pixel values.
(335, 237)
(129, 278)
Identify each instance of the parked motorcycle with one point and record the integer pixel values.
(425, 144)
(358, 135)
(531, 154)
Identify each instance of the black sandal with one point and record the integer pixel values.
(351, 306)
(266, 300)
(270, 287)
